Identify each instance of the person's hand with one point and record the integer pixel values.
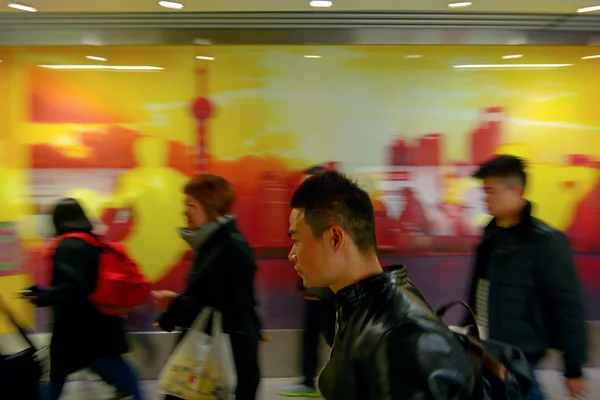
(163, 299)
(577, 387)
(265, 337)
(27, 295)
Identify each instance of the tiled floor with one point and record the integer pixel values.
(89, 390)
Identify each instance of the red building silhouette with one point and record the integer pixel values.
(487, 137)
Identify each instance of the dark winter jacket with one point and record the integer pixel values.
(535, 300)
(80, 333)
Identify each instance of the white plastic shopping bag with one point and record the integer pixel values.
(201, 367)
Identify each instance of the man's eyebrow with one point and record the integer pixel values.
(291, 232)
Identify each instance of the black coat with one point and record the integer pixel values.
(80, 333)
(535, 300)
(390, 345)
(222, 277)
(397, 273)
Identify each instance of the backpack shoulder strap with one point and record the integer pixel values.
(83, 236)
(443, 310)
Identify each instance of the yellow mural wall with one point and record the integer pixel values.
(276, 110)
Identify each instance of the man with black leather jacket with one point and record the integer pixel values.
(388, 342)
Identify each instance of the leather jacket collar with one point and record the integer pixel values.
(350, 296)
(397, 274)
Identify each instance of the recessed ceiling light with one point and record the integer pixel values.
(510, 66)
(202, 41)
(590, 57)
(170, 4)
(588, 9)
(105, 67)
(321, 3)
(410, 56)
(460, 4)
(205, 58)
(512, 56)
(22, 7)
(95, 58)
(311, 56)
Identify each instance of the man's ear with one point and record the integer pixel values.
(338, 237)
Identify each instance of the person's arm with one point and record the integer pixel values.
(471, 298)
(407, 365)
(562, 290)
(74, 273)
(185, 307)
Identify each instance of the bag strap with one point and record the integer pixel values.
(444, 310)
(4, 309)
(474, 340)
(217, 324)
(91, 239)
(202, 319)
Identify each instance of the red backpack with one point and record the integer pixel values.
(121, 285)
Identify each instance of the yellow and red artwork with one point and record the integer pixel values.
(125, 139)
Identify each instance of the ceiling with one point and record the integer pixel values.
(433, 6)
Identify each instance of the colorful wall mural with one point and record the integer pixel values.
(409, 122)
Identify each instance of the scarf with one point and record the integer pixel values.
(196, 238)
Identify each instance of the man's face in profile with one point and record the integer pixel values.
(309, 253)
(501, 198)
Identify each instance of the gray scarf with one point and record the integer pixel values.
(197, 237)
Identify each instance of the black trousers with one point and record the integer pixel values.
(245, 356)
(319, 317)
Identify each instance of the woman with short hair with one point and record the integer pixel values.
(222, 277)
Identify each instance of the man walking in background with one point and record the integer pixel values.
(525, 289)
(319, 318)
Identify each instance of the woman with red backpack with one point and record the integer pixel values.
(82, 336)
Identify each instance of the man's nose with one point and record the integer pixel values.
(292, 256)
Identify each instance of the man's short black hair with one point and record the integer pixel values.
(506, 167)
(315, 170)
(330, 198)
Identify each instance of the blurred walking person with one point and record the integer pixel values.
(222, 277)
(82, 337)
(525, 289)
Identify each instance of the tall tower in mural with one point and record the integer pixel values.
(202, 109)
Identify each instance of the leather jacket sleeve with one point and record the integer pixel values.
(424, 366)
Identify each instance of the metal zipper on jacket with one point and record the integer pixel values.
(338, 323)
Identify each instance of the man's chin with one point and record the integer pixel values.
(307, 285)
(310, 284)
